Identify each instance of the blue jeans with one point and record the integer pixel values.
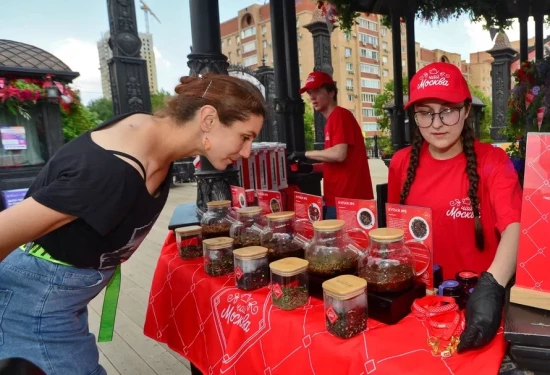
(44, 314)
(329, 213)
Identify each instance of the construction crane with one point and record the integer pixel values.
(147, 10)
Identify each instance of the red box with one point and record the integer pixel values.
(533, 261)
(264, 167)
(282, 178)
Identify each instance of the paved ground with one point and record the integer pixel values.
(130, 352)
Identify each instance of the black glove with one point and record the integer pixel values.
(483, 313)
(297, 156)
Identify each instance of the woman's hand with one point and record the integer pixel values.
(483, 313)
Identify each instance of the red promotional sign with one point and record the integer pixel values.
(532, 263)
(358, 213)
(308, 207)
(269, 201)
(238, 196)
(417, 224)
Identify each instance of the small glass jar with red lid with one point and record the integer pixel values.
(467, 280)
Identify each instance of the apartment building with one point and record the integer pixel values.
(362, 61)
(147, 53)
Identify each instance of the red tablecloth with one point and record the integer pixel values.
(222, 329)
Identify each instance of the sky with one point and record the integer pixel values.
(70, 29)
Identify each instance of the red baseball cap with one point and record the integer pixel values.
(315, 80)
(439, 80)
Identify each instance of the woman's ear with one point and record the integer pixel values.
(467, 108)
(207, 116)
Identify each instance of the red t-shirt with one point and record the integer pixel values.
(443, 186)
(350, 178)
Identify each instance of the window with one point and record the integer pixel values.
(266, 57)
(367, 24)
(249, 47)
(369, 68)
(229, 56)
(370, 126)
(369, 53)
(402, 49)
(265, 44)
(349, 84)
(228, 42)
(347, 37)
(368, 39)
(384, 31)
(299, 52)
(249, 31)
(384, 59)
(368, 112)
(223, 44)
(300, 68)
(385, 46)
(385, 73)
(350, 97)
(347, 52)
(238, 39)
(349, 67)
(251, 60)
(368, 98)
(403, 63)
(264, 29)
(370, 83)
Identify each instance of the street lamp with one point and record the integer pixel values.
(52, 92)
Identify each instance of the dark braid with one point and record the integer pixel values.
(473, 176)
(413, 164)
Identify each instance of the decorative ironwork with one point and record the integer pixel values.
(127, 70)
(202, 64)
(213, 186)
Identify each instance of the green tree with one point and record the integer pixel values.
(102, 107)
(309, 125)
(79, 120)
(158, 100)
(487, 115)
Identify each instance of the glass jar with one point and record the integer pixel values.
(451, 288)
(247, 228)
(251, 267)
(278, 236)
(388, 265)
(345, 300)
(331, 252)
(215, 221)
(467, 280)
(289, 283)
(189, 240)
(218, 256)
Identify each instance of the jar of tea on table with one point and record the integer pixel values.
(345, 303)
(278, 236)
(289, 283)
(218, 256)
(189, 241)
(216, 221)
(251, 267)
(388, 265)
(247, 228)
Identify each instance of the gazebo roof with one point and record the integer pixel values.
(510, 8)
(21, 58)
(475, 102)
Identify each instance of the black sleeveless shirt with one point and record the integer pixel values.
(108, 196)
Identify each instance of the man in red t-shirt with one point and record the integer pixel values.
(346, 171)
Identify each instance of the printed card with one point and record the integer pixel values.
(358, 214)
(269, 201)
(238, 197)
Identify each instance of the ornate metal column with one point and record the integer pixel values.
(206, 56)
(502, 53)
(398, 117)
(266, 77)
(322, 62)
(523, 34)
(538, 15)
(127, 70)
(296, 138)
(411, 61)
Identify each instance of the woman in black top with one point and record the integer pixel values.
(92, 205)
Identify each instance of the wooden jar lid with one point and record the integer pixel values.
(328, 225)
(249, 211)
(188, 231)
(387, 234)
(344, 287)
(250, 252)
(289, 266)
(218, 204)
(217, 243)
(284, 215)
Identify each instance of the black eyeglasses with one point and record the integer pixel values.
(449, 117)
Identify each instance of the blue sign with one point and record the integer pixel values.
(12, 197)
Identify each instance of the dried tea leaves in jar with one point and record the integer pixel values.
(218, 256)
(214, 223)
(189, 241)
(345, 301)
(289, 283)
(387, 277)
(251, 267)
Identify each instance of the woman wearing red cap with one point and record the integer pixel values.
(346, 171)
(472, 189)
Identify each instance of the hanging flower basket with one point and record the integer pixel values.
(339, 12)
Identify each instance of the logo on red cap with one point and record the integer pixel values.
(433, 78)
